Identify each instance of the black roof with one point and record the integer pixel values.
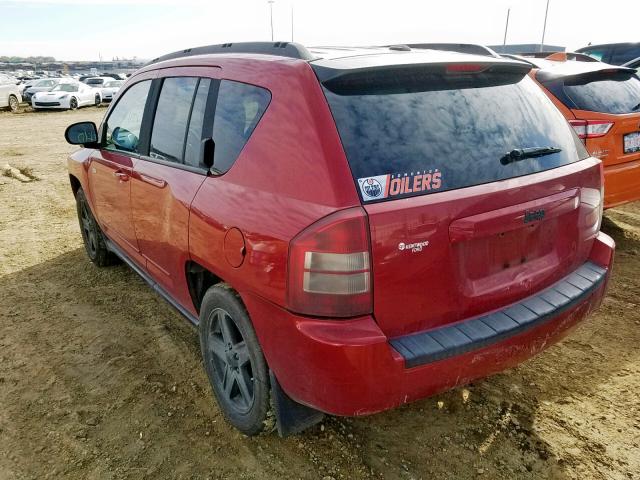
(334, 61)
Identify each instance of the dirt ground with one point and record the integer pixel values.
(101, 379)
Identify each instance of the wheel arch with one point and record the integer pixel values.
(75, 184)
(199, 280)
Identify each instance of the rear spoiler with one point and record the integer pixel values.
(546, 76)
(330, 73)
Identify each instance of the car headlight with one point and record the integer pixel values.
(63, 96)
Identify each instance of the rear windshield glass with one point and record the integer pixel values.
(617, 94)
(431, 133)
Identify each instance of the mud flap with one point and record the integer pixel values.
(291, 416)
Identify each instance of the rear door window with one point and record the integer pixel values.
(196, 125)
(171, 118)
(238, 110)
(611, 93)
(427, 133)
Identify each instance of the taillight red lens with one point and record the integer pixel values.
(329, 267)
(591, 128)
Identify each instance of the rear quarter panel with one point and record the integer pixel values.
(291, 173)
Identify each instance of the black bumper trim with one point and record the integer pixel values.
(445, 342)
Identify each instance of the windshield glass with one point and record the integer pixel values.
(618, 93)
(65, 87)
(433, 133)
(95, 81)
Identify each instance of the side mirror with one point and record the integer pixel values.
(207, 151)
(82, 133)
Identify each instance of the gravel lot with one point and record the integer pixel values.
(101, 379)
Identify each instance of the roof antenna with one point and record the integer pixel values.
(271, 2)
(292, 23)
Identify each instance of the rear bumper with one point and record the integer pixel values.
(352, 368)
(621, 183)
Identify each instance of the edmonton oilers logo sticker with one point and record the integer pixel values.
(372, 188)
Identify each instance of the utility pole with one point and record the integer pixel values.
(506, 28)
(271, 2)
(544, 28)
(292, 23)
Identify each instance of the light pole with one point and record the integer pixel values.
(506, 28)
(271, 2)
(544, 28)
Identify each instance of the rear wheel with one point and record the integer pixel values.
(233, 360)
(13, 103)
(73, 103)
(92, 235)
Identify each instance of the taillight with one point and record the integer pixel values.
(591, 128)
(329, 267)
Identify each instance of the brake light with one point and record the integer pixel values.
(466, 68)
(329, 267)
(591, 128)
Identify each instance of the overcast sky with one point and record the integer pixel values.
(85, 29)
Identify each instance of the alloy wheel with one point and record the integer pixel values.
(229, 355)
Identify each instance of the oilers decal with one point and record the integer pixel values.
(397, 184)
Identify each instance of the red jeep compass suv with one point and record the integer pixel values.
(351, 229)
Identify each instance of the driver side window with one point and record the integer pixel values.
(122, 131)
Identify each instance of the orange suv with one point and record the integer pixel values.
(602, 103)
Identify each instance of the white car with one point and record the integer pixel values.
(10, 96)
(110, 89)
(97, 82)
(67, 95)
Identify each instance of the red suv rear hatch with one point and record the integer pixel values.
(473, 185)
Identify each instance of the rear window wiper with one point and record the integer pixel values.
(522, 153)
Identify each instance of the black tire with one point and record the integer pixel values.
(97, 101)
(73, 103)
(234, 361)
(14, 105)
(92, 235)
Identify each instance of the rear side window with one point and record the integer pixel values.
(624, 53)
(238, 110)
(598, 54)
(618, 93)
(427, 133)
(171, 119)
(122, 128)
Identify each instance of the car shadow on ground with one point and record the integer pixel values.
(120, 374)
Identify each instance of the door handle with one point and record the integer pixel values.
(156, 182)
(121, 176)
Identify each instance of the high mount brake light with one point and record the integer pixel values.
(591, 128)
(466, 68)
(329, 267)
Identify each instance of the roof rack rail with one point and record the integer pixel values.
(281, 49)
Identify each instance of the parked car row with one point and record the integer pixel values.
(58, 93)
(353, 229)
